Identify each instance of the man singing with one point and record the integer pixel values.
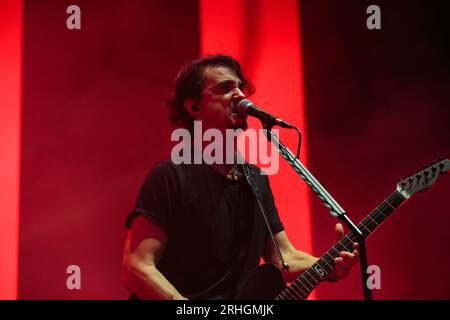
(197, 231)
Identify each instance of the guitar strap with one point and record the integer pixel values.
(251, 180)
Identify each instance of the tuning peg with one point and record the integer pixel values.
(426, 173)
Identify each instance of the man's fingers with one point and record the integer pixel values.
(346, 255)
(345, 261)
(338, 261)
(339, 231)
(349, 257)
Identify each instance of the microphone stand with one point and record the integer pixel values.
(335, 209)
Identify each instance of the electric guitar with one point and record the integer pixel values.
(266, 282)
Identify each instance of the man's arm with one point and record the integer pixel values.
(144, 246)
(300, 261)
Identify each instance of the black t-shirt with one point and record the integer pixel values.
(215, 230)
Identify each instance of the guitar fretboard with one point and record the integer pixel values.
(301, 288)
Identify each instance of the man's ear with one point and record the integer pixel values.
(192, 107)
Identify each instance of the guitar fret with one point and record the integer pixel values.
(286, 294)
(390, 204)
(307, 290)
(386, 210)
(379, 217)
(302, 286)
(317, 272)
(294, 293)
(399, 199)
(373, 220)
(335, 250)
(307, 282)
(370, 223)
(342, 245)
(311, 277)
(289, 289)
(348, 236)
(378, 214)
(307, 277)
(326, 260)
(297, 295)
(295, 284)
(362, 225)
(367, 226)
(316, 276)
(327, 267)
(382, 213)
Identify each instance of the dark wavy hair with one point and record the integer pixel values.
(189, 85)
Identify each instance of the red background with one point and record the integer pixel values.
(94, 122)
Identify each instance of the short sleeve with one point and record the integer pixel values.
(158, 196)
(269, 202)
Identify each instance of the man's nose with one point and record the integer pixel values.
(238, 94)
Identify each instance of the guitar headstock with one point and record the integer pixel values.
(424, 178)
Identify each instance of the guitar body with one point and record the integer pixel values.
(264, 283)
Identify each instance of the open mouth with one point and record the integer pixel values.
(233, 109)
(234, 112)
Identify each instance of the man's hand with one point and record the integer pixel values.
(345, 262)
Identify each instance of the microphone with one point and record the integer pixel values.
(246, 107)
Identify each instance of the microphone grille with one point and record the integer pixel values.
(242, 106)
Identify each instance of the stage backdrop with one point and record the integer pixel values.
(94, 122)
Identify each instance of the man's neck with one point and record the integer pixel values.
(227, 170)
(220, 163)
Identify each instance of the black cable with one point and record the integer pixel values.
(299, 141)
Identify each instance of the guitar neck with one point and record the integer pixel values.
(301, 288)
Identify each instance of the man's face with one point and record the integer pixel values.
(220, 86)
